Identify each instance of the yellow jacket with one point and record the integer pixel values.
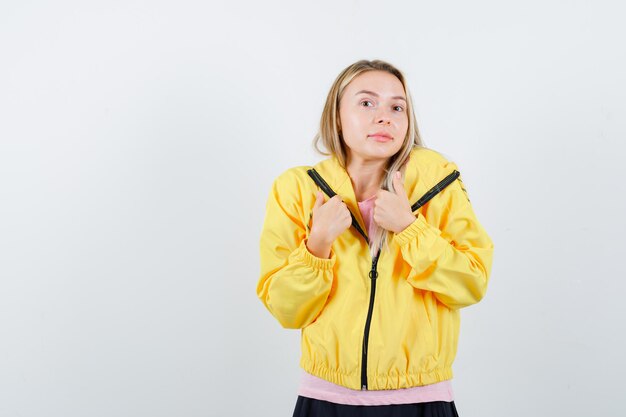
(384, 323)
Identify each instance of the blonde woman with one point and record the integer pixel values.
(372, 253)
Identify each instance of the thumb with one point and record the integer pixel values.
(398, 183)
(319, 199)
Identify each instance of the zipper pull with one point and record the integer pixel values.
(373, 272)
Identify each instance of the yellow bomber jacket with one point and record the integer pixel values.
(384, 323)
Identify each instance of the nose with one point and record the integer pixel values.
(382, 117)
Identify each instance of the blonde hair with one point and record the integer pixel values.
(330, 133)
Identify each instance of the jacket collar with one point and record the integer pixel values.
(339, 180)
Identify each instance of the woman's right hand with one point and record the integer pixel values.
(330, 219)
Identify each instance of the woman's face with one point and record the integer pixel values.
(373, 102)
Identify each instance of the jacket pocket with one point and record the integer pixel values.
(428, 354)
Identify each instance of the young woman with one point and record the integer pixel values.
(372, 252)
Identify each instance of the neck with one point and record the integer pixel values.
(365, 175)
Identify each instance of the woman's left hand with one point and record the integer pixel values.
(392, 211)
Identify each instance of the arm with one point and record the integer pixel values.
(453, 260)
(294, 284)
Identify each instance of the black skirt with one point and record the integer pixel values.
(310, 407)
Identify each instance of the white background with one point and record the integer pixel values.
(138, 144)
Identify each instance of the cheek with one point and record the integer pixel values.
(353, 125)
(403, 127)
(354, 120)
(401, 121)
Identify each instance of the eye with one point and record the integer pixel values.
(365, 101)
(399, 107)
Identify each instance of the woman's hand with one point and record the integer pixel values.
(392, 211)
(330, 219)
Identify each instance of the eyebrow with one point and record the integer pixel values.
(376, 95)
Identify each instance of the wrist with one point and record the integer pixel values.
(408, 221)
(318, 246)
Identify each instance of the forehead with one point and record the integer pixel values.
(380, 82)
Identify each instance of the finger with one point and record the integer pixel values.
(398, 183)
(337, 198)
(319, 199)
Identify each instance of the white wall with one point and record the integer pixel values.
(138, 142)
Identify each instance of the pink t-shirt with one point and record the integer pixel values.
(318, 388)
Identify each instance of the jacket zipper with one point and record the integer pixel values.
(373, 274)
(366, 334)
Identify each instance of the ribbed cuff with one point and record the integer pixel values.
(313, 261)
(418, 227)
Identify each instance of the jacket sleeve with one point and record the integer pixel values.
(294, 284)
(453, 260)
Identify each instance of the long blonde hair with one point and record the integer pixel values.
(330, 133)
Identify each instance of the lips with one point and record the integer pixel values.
(381, 137)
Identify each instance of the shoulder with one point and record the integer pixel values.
(291, 193)
(430, 162)
(292, 177)
(292, 185)
(432, 167)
